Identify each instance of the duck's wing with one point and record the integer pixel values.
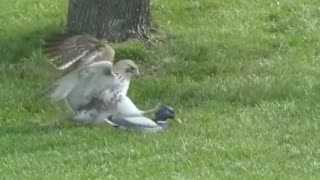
(127, 108)
(131, 122)
(71, 52)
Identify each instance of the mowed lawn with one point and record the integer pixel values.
(243, 76)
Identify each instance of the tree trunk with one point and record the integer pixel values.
(114, 20)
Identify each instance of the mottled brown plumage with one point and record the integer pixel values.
(68, 53)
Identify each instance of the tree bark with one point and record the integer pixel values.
(114, 20)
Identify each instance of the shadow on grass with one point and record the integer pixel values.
(32, 138)
(13, 49)
(37, 129)
(27, 129)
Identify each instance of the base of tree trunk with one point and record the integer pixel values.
(113, 20)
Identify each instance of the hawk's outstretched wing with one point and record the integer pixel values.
(71, 52)
(79, 84)
(93, 79)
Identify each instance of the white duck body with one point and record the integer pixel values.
(143, 123)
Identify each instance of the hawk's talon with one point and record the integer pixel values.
(156, 108)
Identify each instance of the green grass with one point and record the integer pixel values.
(243, 76)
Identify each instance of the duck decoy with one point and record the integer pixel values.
(142, 123)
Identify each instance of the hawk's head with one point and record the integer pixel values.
(126, 68)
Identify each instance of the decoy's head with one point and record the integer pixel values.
(127, 68)
(164, 113)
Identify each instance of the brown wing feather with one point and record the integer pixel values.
(70, 52)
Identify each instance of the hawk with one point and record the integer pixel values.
(92, 86)
(142, 123)
(98, 90)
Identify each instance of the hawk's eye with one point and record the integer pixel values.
(130, 69)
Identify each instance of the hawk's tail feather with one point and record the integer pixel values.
(58, 38)
(59, 43)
